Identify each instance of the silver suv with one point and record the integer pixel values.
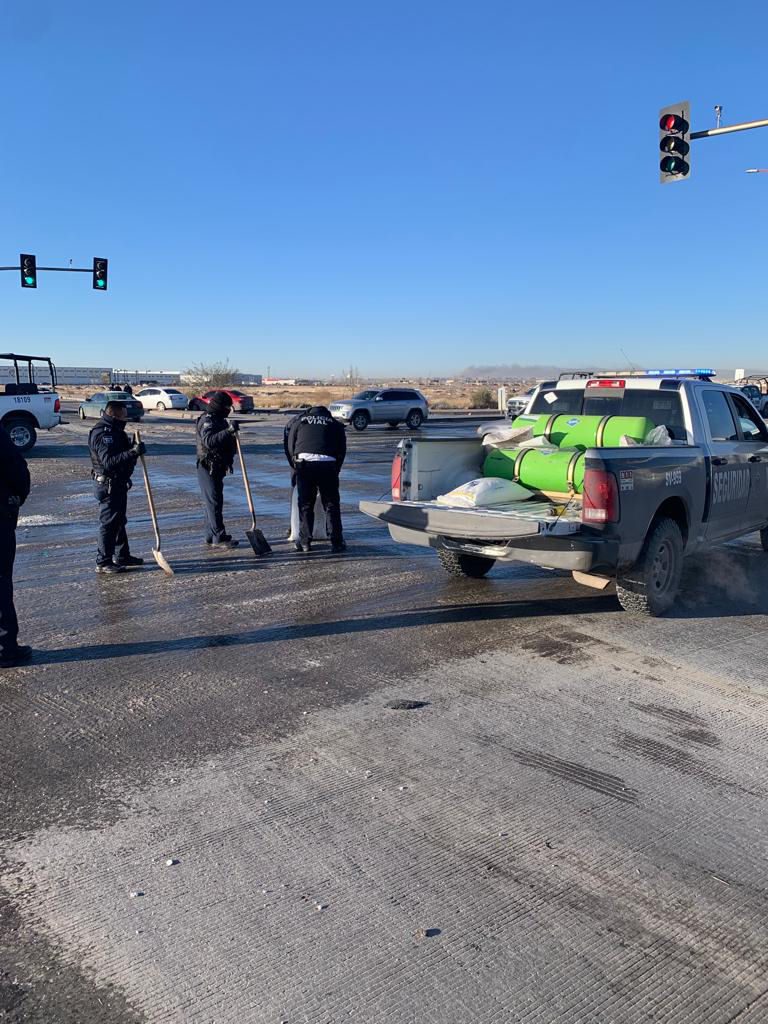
(386, 405)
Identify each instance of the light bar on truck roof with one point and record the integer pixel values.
(681, 373)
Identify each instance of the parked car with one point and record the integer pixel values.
(756, 397)
(240, 402)
(162, 398)
(93, 407)
(517, 404)
(383, 405)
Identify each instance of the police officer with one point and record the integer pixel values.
(113, 458)
(215, 457)
(316, 448)
(14, 489)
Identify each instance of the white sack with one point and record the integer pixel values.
(503, 436)
(484, 493)
(659, 437)
(319, 532)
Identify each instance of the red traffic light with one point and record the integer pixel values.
(673, 123)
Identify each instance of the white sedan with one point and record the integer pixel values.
(162, 398)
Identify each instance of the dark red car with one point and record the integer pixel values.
(240, 402)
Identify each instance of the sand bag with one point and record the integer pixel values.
(319, 532)
(495, 436)
(484, 493)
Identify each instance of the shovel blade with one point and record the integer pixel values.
(162, 561)
(259, 542)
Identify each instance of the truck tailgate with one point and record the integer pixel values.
(503, 522)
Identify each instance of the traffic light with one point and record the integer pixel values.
(100, 274)
(674, 142)
(28, 267)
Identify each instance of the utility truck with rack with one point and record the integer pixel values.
(624, 509)
(31, 404)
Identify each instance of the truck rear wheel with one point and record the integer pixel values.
(650, 587)
(458, 564)
(21, 432)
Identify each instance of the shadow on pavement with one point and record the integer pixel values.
(416, 618)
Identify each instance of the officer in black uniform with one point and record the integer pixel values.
(215, 457)
(113, 457)
(14, 489)
(316, 448)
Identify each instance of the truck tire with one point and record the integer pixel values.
(361, 419)
(650, 587)
(414, 419)
(472, 566)
(21, 431)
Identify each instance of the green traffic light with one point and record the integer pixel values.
(99, 284)
(29, 280)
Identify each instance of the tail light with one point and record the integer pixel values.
(57, 405)
(397, 473)
(601, 497)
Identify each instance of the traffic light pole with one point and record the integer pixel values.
(743, 127)
(61, 270)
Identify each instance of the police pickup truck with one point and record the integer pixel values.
(642, 507)
(25, 407)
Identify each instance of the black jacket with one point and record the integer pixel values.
(216, 446)
(286, 435)
(110, 448)
(316, 432)
(14, 477)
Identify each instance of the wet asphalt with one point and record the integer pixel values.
(142, 680)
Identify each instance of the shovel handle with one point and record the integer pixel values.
(245, 478)
(150, 499)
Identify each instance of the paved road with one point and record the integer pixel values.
(570, 828)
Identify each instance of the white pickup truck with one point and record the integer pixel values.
(642, 508)
(27, 406)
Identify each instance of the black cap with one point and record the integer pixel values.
(220, 403)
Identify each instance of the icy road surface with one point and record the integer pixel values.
(211, 812)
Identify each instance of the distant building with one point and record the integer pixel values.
(281, 382)
(146, 376)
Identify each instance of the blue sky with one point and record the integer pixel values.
(407, 186)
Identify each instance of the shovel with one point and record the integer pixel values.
(259, 542)
(158, 554)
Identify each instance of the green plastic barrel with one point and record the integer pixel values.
(539, 469)
(591, 431)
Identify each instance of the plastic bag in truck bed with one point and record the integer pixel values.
(484, 493)
(503, 436)
(659, 437)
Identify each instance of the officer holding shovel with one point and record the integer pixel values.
(216, 451)
(113, 460)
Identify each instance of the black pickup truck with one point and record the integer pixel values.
(641, 510)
